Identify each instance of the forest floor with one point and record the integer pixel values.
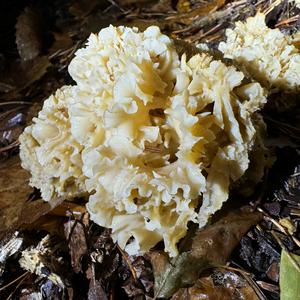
(67, 255)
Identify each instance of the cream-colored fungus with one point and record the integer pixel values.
(267, 54)
(147, 136)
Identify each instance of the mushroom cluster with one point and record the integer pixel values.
(152, 139)
(271, 57)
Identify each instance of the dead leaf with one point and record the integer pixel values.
(268, 286)
(49, 223)
(273, 271)
(141, 281)
(220, 285)
(67, 209)
(28, 34)
(137, 3)
(9, 247)
(210, 247)
(22, 75)
(14, 192)
(82, 8)
(50, 290)
(75, 234)
(95, 289)
(34, 70)
(162, 6)
(205, 8)
(32, 210)
(62, 41)
(15, 209)
(290, 192)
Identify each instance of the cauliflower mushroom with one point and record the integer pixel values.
(148, 136)
(269, 56)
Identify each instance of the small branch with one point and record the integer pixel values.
(15, 280)
(10, 146)
(15, 102)
(293, 261)
(128, 262)
(279, 226)
(287, 21)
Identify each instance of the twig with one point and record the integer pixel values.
(282, 124)
(279, 226)
(287, 21)
(295, 174)
(10, 146)
(15, 102)
(76, 221)
(68, 209)
(128, 262)
(255, 287)
(213, 38)
(7, 113)
(233, 269)
(118, 6)
(205, 34)
(15, 280)
(20, 282)
(252, 283)
(213, 17)
(267, 286)
(272, 6)
(294, 262)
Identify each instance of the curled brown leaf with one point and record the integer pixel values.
(28, 34)
(220, 285)
(210, 247)
(75, 234)
(15, 207)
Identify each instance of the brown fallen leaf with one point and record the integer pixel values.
(10, 245)
(162, 6)
(96, 290)
(15, 209)
(210, 247)
(141, 281)
(32, 210)
(14, 192)
(28, 34)
(62, 41)
(22, 75)
(273, 271)
(75, 234)
(82, 8)
(220, 285)
(137, 3)
(197, 9)
(67, 209)
(52, 224)
(34, 70)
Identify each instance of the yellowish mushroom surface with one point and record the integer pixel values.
(149, 137)
(271, 57)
